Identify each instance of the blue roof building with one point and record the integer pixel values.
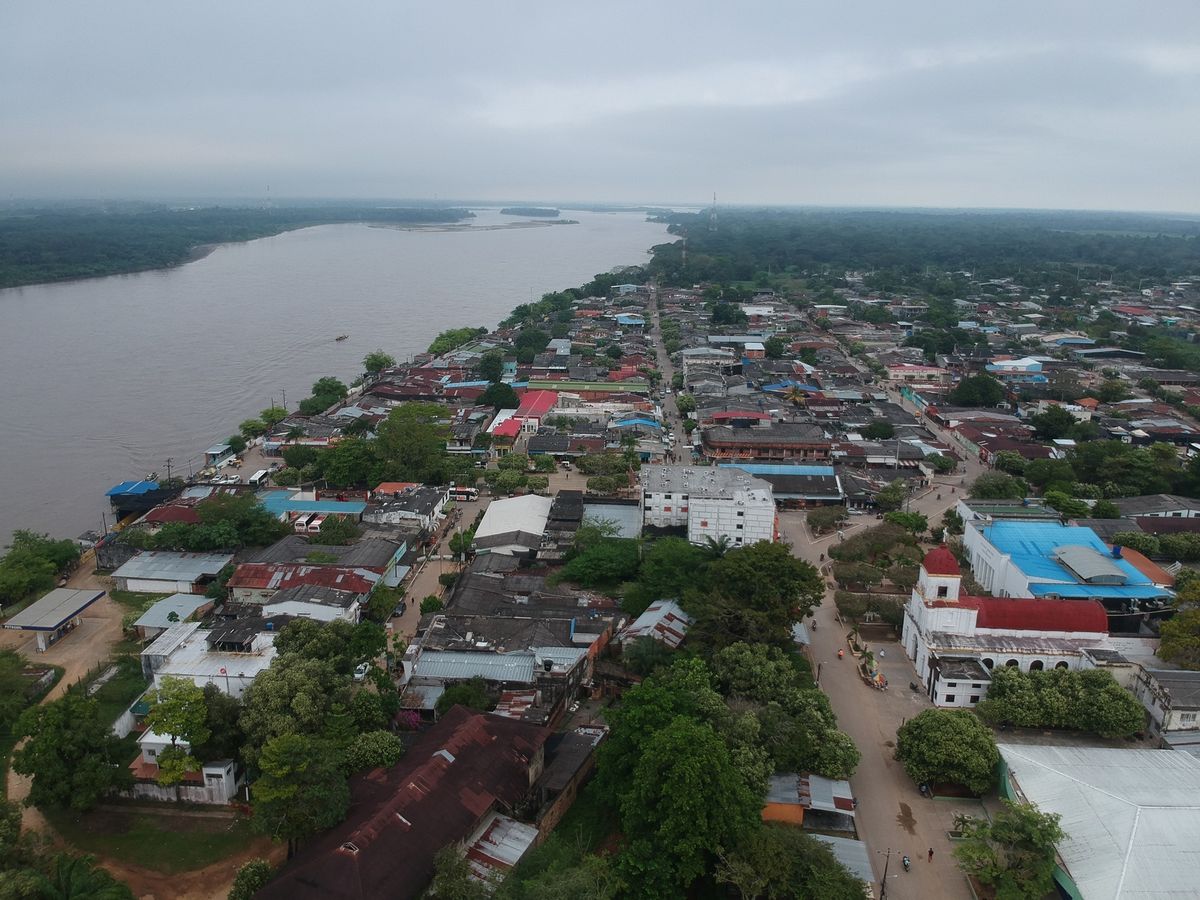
(1022, 558)
(281, 503)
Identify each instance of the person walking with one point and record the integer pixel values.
(931, 854)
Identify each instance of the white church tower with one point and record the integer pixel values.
(934, 607)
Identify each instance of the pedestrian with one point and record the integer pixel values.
(931, 854)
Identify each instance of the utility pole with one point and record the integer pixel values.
(170, 459)
(285, 400)
(883, 883)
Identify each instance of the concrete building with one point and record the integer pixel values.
(230, 657)
(955, 640)
(1172, 701)
(709, 502)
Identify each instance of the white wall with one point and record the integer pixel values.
(743, 521)
(663, 510)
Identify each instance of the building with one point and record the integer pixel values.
(513, 526)
(260, 582)
(955, 640)
(928, 377)
(230, 657)
(767, 442)
(1131, 818)
(379, 555)
(1165, 506)
(216, 781)
(1172, 701)
(449, 789)
(413, 504)
(799, 486)
(536, 405)
(709, 502)
(170, 611)
(165, 572)
(54, 615)
(1050, 560)
(664, 621)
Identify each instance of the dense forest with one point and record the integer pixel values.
(57, 244)
(530, 211)
(748, 243)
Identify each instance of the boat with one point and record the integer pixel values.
(341, 337)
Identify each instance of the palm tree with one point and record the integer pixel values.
(796, 397)
(79, 878)
(715, 548)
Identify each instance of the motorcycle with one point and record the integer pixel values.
(907, 863)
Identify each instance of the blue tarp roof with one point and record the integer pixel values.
(1032, 544)
(280, 502)
(770, 469)
(132, 487)
(467, 384)
(1099, 591)
(788, 384)
(626, 422)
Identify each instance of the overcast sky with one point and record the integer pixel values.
(965, 103)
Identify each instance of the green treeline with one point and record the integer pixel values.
(530, 211)
(748, 243)
(53, 245)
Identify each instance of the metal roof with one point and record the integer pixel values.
(1091, 565)
(1033, 547)
(1131, 817)
(457, 664)
(55, 609)
(131, 487)
(850, 853)
(163, 565)
(527, 514)
(183, 605)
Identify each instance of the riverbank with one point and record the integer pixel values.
(507, 226)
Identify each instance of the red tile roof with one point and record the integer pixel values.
(940, 561)
(1028, 614)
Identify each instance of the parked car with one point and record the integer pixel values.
(400, 609)
(361, 670)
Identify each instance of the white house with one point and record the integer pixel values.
(955, 640)
(216, 782)
(230, 657)
(710, 502)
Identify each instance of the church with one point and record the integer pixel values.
(955, 640)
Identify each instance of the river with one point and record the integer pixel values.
(106, 378)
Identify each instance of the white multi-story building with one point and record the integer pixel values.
(709, 502)
(955, 640)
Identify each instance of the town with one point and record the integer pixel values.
(815, 584)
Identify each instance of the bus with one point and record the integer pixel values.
(260, 477)
(464, 494)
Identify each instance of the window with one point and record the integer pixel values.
(1012, 662)
(666, 496)
(949, 698)
(704, 523)
(988, 663)
(1036, 666)
(974, 699)
(943, 591)
(1187, 718)
(951, 684)
(1060, 665)
(666, 509)
(741, 513)
(740, 527)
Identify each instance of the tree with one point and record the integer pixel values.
(941, 463)
(431, 604)
(373, 750)
(775, 347)
(179, 711)
(328, 386)
(1067, 505)
(607, 562)
(293, 696)
(1041, 472)
(977, 390)
(1014, 854)
(273, 415)
(251, 877)
(878, 430)
(644, 654)
(952, 746)
(1137, 540)
(499, 396)
(1010, 462)
(1105, 509)
(826, 518)
(252, 428)
(913, 522)
(952, 522)
(221, 713)
(684, 802)
(997, 486)
(1112, 390)
(411, 443)
(300, 791)
(70, 877)
(1052, 424)
(376, 361)
(893, 496)
(778, 861)
(728, 314)
(472, 694)
(236, 443)
(336, 531)
(72, 755)
(1181, 639)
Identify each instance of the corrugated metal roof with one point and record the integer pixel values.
(131, 487)
(1131, 817)
(1033, 547)
(183, 605)
(1091, 565)
(449, 665)
(163, 565)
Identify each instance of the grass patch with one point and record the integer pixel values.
(164, 841)
(135, 601)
